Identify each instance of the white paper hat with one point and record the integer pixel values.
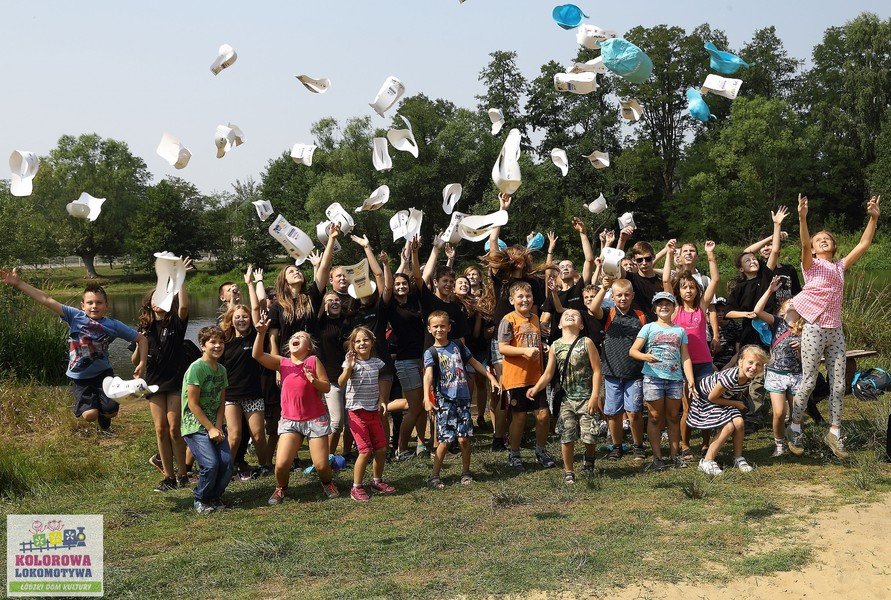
(316, 86)
(361, 285)
(476, 228)
(406, 224)
(721, 86)
(85, 207)
(576, 83)
(297, 243)
(391, 91)
(631, 109)
(598, 206)
(171, 150)
(497, 118)
(322, 234)
(559, 158)
(264, 208)
(403, 139)
(592, 66)
(115, 387)
(338, 214)
(227, 137)
(590, 36)
(380, 157)
(450, 196)
(225, 58)
(506, 171)
(24, 165)
(600, 160)
(627, 220)
(377, 199)
(612, 260)
(171, 272)
(302, 153)
(452, 233)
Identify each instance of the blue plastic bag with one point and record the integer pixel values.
(501, 245)
(568, 16)
(697, 107)
(724, 62)
(537, 242)
(626, 60)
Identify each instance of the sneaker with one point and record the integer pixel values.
(330, 490)
(615, 455)
(836, 444)
(545, 459)
(709, 467)
(657, 465)
(793, 440)
(359, 494)
(218, 505)
(278, 496)
(466, 478)
(106, 432)
(740, 463)
(261, 471)
(183, 482)
(515, 462)
(245, 474)
(166, 485)
(568, 477)
(640, 454)
(382, 487)
(679, 463)
(589, 466)
(686, 454)
(498, 445)
(404, 455)
(778, 449)
(155, 461)
(201, 508)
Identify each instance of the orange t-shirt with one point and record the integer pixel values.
(521, 332)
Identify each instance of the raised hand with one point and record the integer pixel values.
(802, 206)
(383, 257)
(351, 359)
(504, 201)
(602, 236)
(626, 232)
(552, 240)
(578, 225)
(10, 276)
(872, 207)
(333, 230)
(669, 246)
(610, 236)
(449, 251)
(187, 263)
(258, 275)
(248, 274)
(262, 325)
(361, 241)
(710, 247)
(774, 284)
(781, 213)
(315, 258)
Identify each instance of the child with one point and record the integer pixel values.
(304, 415)
(579, 379)
(445, 380)
(819, 303)
(782, 376)
(519, 341)
(662, 347)
(90, 334)
(729, 332)
(719, 403)
(361, 371)
(203, 399)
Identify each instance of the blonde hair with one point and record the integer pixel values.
(756, 351)
(355, 333)
(798, 325)
(226, 324)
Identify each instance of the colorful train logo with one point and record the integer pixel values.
(52, 535)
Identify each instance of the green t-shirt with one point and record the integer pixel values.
(579, 375)
(212, 382)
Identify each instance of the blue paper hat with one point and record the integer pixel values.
(724, 62)
(626, 60)
(568, 16)
(536, 243)
(697, 107)
(763, 330)
(501, 245)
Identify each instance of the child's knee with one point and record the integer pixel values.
(738, 423)
(90, 415)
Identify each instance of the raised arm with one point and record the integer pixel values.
(273, 363)
(450, 255)
(416, 261)
(11, 277)
(624, 236)
(387, 291)
(183, 295)
(252, 295)
(552, 245)
(431, 264)
(587, 249)
(806, 257)
(777, 218)
(404, 258)
(756, 247)
(324, 270)
(372, 260)
(667, 252)
(597, 301)
(259, 288)
(872, 208)
(714, 275)
(503, 204)
(764, 299)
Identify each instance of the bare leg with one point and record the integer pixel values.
(158, 407)
(615, 429)
(410, 420)
(233, 427)
(318, 452)
(439, 458)
(568, 452)
(380, 460)
(673, 416)
(174, 411)
(685, 431)
(637, 427)
(655, 424)
(719, 440)
(258, 434)
(465, 454)
(739, 434)
(542, 424)
(359, 468)
(778, 403)
(288, 445)
(517, 426)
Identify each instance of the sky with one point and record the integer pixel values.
(132, 71)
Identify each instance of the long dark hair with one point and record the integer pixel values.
(147, 315)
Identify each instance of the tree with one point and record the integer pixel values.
(253, 244)
(505, 88)
(771, 71)
(28, 237)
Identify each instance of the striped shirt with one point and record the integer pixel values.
(820, 300)
(362, 391)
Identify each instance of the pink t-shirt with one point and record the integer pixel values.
(694, 324)
(820, 300)
(300, 400)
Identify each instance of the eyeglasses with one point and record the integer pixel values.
(643, 259)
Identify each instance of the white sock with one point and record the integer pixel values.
(835, 430)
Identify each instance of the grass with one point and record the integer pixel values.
(507, 533)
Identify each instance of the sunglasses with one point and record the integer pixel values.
(643, 259)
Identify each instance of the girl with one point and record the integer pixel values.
(361, 371)
(691, 315)
(475, 340)
(475, 279)
(165, 367)
(333, 330)
(718, 403)
(304, 415)
(782, 376)
(819, 303)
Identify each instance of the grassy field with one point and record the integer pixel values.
(507, 533)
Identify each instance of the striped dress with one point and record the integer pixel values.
(703, 413)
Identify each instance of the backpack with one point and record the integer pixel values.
(612, 314)
(870, 384)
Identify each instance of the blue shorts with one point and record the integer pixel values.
(453, 420)
(409, 372)
(622, 395)
(656, 388)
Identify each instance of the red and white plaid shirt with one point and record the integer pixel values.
(820, 300)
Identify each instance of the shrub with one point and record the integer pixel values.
(32, 340)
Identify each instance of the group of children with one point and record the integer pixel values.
(305, 363)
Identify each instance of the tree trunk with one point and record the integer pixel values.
(90, 264)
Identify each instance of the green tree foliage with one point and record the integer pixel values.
(251, 240)
(771, 72)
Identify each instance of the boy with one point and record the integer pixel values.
(445, 381)
(579, 379)
(519, 341)
(203, 399)
(90, 334)
(230, 295)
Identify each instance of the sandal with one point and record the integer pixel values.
(466, 478)
(435, 483)
(686, 454)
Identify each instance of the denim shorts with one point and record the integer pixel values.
(622, 395)
(495, 356)
(656, 388)
(313, 428)
(781, 382)
(409, 372)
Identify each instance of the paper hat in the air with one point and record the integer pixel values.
(297, 243)
(496, 116)
(115, 387)
(568, 16)
(576, 83)
(264, 209)
(391, 91)
(403, 139)
(302, 153)
(590, 36)
(322, 235)
(172, 150)
(506, 171)
(226, 138)
(85, 207)
(452, 234)
(600, 160)
(598, 206)
(24, 165)
(612, 260)
(631, 110)
(378, 198)
(723, 62)
(626, 60)
(338, 214)
(226, 56)
(171, 272)
(559, 158)
(406, 224)
(627, 220)
(697, 107)
(476, 228)
(721, 86)
(450, 196)
(316, 86)
(361, 285)
(380, 156)
(592, 66)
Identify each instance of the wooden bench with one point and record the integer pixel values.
(851, 357)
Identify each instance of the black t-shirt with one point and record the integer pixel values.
(431, 303)
(166, 362)
(333, 332)
(744, 296)
(502, 295)
(644, 290)
(348, 304)
(286, 328)
(569, 298)
(593, 328)
(242, 370)
(408, 325)
(374, 317)
(617, 341)
(790, 284)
